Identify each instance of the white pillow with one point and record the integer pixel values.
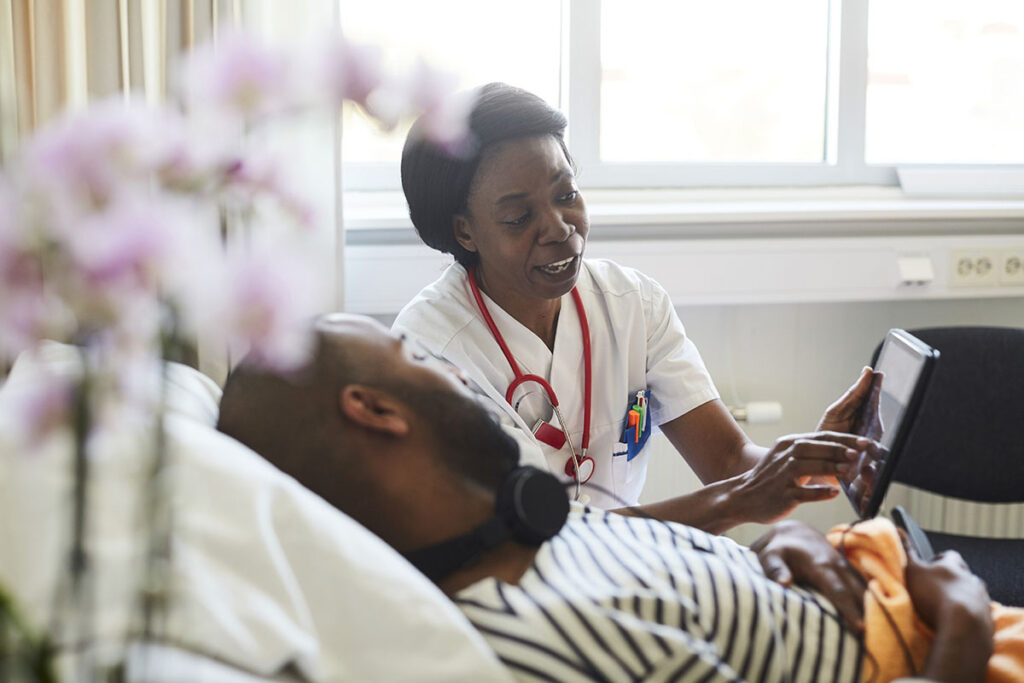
(264, 572)
(190, 393)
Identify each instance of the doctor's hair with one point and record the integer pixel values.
(437, 183)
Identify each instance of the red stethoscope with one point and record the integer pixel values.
(578, 465)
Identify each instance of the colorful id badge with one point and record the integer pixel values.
(636, 426)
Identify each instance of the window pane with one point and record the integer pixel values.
(700, 81)
(479, 41)
(945, 81)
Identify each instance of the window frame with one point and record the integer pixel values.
(843, 156)
(843, 160)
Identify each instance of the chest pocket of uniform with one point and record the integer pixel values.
(628, 456)
(624, 470)
(636, 424)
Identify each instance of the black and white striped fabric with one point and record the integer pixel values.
(614, 598)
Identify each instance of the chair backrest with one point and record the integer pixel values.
(968, 441)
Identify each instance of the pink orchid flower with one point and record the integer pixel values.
(123, 244)
(269, 309)
(238, 73)
(351, 71)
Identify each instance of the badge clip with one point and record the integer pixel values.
(547, 434)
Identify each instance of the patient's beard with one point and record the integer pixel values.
(473, 444)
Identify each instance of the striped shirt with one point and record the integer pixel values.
(614, 598)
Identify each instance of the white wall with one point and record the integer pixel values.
(804, 356)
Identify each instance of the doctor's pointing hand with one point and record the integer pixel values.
(585, 355)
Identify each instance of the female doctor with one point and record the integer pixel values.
(585, 354)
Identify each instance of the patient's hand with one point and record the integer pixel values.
(946, 585)
(955, 604)
(792, 552)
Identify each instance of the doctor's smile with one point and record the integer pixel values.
(559, 266)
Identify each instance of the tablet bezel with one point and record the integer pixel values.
(927, 357)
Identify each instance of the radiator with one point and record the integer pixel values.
(955, 516)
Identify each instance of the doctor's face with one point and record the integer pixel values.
(526, 219)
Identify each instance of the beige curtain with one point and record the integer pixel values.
(60, 54)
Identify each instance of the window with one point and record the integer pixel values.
(725, 81)
(945, 82)
(689, 93)
(478, 42)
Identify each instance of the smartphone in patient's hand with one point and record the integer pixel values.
(918, 540)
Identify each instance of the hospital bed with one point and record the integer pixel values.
(267, 581)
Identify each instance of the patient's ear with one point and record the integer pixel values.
(463, 232)
(374, 409)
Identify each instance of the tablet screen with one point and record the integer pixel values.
(887, 415)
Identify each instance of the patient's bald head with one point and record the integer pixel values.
(290, 418)
(365, 392)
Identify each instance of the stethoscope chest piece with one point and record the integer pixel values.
(586, 469)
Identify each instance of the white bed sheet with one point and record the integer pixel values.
(266, 576)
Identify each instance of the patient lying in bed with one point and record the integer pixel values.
(267, 581)
(400, 444)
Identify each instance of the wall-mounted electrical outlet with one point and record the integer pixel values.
(1011, 267)
(975, 268)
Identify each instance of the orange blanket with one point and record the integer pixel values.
(874, 548)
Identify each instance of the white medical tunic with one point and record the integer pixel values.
(637, 343)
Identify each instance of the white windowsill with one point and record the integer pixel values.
(706, 212)
(729, 246)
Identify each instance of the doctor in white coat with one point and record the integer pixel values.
(525, 315)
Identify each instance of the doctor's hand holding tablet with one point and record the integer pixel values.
(586, 355)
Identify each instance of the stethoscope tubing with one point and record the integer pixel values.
(520, 378)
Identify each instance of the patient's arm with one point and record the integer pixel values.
(956, 605)
(794, 553)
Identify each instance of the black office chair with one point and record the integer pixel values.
(968, 442)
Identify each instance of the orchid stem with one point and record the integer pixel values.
(81, 600)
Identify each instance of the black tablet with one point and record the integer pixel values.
(887, 416)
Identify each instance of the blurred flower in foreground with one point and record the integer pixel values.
(45, 408)
(266, 306)
(112, 219)
(258, 299)
(350, 71)
(239, 73)
(429, 94)
(82, 159)
(131, 231)
(445, 115)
